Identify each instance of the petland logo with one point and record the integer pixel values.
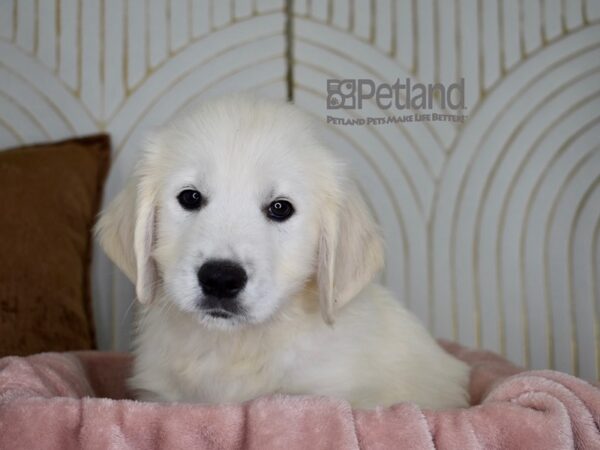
(350, 94)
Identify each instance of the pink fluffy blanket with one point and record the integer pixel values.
(78, 400)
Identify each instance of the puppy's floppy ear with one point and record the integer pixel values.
(350, 250)
(126, 233)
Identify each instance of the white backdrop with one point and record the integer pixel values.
(492, 226)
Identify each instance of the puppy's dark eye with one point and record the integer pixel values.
(190, 199)
(280, 210)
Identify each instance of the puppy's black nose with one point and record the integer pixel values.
(222, 278)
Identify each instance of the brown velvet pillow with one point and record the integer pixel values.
(49, 197)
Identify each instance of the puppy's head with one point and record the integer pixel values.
(233, 208)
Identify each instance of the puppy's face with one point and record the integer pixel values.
(236, 207)
(237, 218)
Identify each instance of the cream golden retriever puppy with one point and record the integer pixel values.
(253, 257)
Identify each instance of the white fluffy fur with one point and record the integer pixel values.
(314, 322)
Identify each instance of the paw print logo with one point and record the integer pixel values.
(341, 94)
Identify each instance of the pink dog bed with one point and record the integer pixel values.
(79, 400)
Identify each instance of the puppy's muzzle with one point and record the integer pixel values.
(222, 279)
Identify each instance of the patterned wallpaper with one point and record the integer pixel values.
(492, 225)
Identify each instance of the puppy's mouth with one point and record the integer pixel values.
(219, 313)
(224, 309)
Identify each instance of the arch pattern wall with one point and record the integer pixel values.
(492, 226)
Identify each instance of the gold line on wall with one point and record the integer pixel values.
(430, 263)
(36, 26)
(57, 40)
(457, 44)
(522, 47)
(146, 43)
(352, 17)
(12, 131)
(571, 267)
(563, 16)
(585, 12)
(480, 55)
(394, 30)
(415, 30)
(436, 42)
(79, 50)
(168, 27)
(15, 20)
(125, 52)
(596, 292)
(102, 63)
(190, 22)
(372, 22)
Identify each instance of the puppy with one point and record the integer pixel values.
(253, 256)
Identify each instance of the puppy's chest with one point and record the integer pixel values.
(219, 372)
